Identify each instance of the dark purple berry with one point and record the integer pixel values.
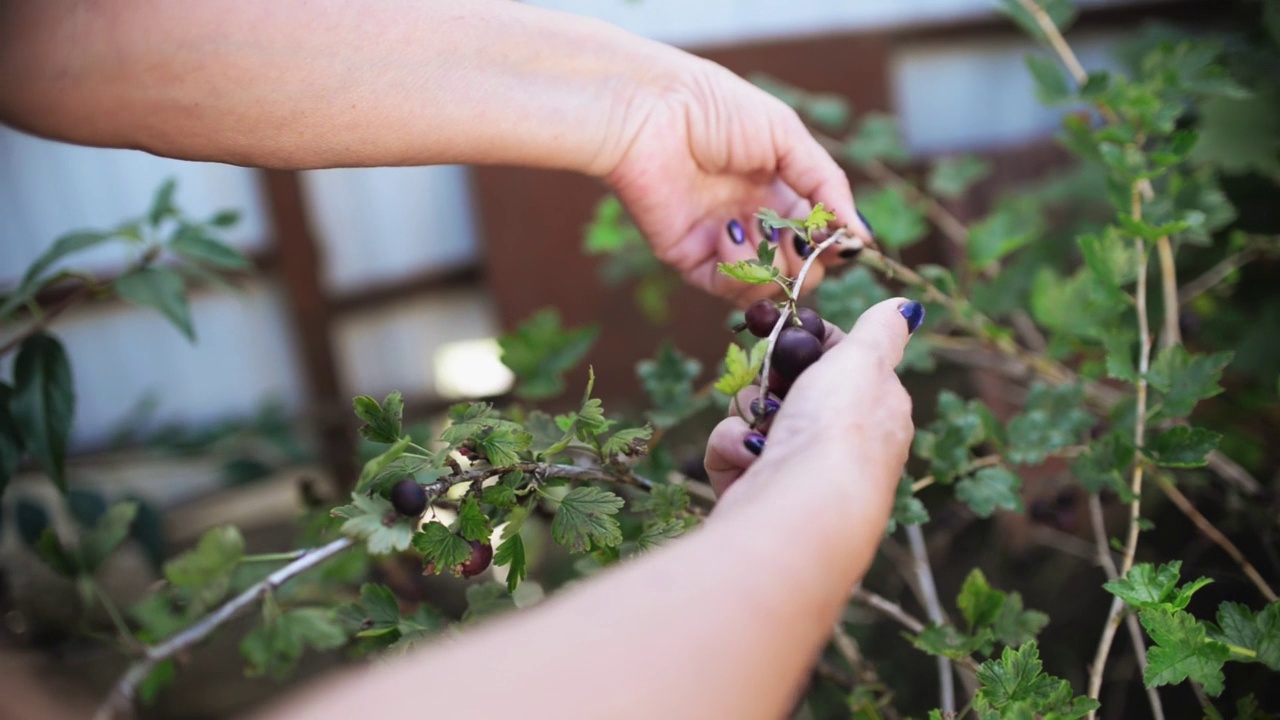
(796, 350)
(481, 556)
(761, 316)
(810, 320)
(778, 385)
(754, 442)
(408, 498)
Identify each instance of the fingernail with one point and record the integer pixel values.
(863, 218)
(770, 407)
(736, 233)
(849, 253)
(767, 232)
(754, 442)
(914, 313)
(803, 248)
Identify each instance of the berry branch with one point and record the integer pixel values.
(933, 607)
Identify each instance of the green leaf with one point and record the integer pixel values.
(978, 602)
(225, 218)
(1183, 447)
(741, 369)
(511, 553)
(751, 271)
(771, 219)
(907, 508)
(43, 403)
(62, 247)
(1052, 86)
(1112, 261)
(947, 441)
(1184, 379)
(627, 441)
(274, 648)
(668, 381)
(1053, 418)
(948, 641)
(441, 548)
(843, 299)
(50, 549)
(988, 489)
(501, 444)
(898, 223)
(193, 243)
(382, 420)
(486, 599)
(373, 520)
(111, 530)
(472, 522)
(1182, 650)
(1260, 632)
(161, 289)
(377, 464)
(657, 532)
(819, 218)
(162, 204)
(1104, 465)
(951, 177)
(585, 520)
(10, 439)
(1015, 686)
(665, 501)
(216, 556)
(540, 352)
(1014, 626)
(1148, 587)
(877, 138)
(158, 679)
(1012, 226)
(499, 495)
(1061, 12)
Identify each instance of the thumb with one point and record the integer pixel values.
(874, 345)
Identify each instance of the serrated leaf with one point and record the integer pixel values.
(907, 508)
(668, 381)
(191, 242)
(1053, 418)
(627, 441)
(540, 351)
(818, 219)
(741, 368)
(373, 520)
(107, 534)
(378, 610)
(161, 289)
(877, 138)
(1104, 465)
(1260, 632)
(43, 403)
(499, 495)
(1012, 226)
(1147, 586)
(440, 547)
(951, 177)
(1182, 650)
(989, 489)
(657, 532)
(511, 553)
(585, 520)
(1015, 686)
(947, 441)
(749, 271)
(382, 420)
(502, 445)
(665, 501)
(274, 648)
(1184, 379)
(898, 223)
(472, 522)
(1014, 626)
(948, 641)
(1183, 447)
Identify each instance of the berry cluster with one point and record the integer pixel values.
(798, 345)
(410, 500)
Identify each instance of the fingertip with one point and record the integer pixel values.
(728, 455)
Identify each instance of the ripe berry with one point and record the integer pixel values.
(408, 498)
(810, 320)
(481, 556)
(778, 385)
(796, 350)
(761, 317)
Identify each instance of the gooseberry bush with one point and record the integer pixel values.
(1068, 296)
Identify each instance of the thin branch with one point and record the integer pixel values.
(1103, 549)
(1216, 274)
(42, 322)
(1207, 528)
(889, 609)
(1172, 334)
(933, 608)
(122, 694)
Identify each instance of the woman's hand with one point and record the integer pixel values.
(842, 433)
(709, 149)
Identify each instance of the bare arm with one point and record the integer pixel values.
(724, 623)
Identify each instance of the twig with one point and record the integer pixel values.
(1172, 334)
(792, 295)
(48, 317)
(1139, 435)
(933, 608)
(1203, 525)
(865, 674)
(1216, 274)
(1131, 621)
(888, 608)
(122, 694)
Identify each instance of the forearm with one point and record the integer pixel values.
(302, 84)
(724, 623)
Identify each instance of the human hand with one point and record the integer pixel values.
(710, 149)
(840, 438)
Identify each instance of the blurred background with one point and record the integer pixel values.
(372, 280)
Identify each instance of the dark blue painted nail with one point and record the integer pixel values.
(754, 442)
(914, 313)
(770, 407)
(863, 218)
(803, 248)
(736, 233)
(769, 233)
